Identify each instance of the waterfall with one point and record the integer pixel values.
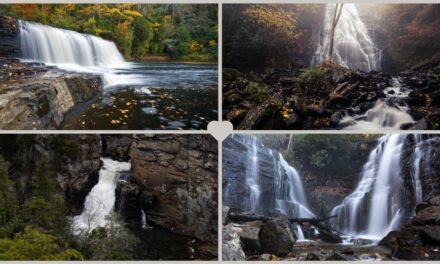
(374, 208)
(58, 46)
(287, 195)
(252, 174)
(291, 199)
(101, 199)
(73, 51)
(353, 46)
(387, 113)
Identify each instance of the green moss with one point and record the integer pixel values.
(313, 82)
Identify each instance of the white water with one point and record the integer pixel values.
(291, 198)
(101, 199)
(252, 174)
(374, 208)
(353, 46)
(387, 113)
(84, 53)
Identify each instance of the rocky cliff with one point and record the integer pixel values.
(179, 173)
(9, 37)
(74, 158)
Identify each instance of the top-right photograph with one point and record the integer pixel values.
(331, 66)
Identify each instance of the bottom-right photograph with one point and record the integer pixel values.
(331, 197)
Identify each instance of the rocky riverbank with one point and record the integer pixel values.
(34, 96)
(320, 97)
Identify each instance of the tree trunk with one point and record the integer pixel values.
(335, 20)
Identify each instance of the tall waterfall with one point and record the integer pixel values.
(353, 46)
(101, 199)
(374, 208)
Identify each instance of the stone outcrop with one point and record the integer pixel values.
(420, 239)
(232, 248)
(9, 37)
(36, 97)
(178, 173)
(74, 158)
(117, 147)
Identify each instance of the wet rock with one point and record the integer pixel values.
(340, 256)
(429, 215)
(329, 237)
(232, 249)
(129, 199)
(362, 242)
(225, 213)
(267, 115)
(117, 146)
(312, 256)
(41, 101)
(416, 98)
(276, 237)
(249, 236)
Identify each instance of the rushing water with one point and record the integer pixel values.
(390, 112)
(288, 195)
(353, 46)
(132, 82)
(101, 199)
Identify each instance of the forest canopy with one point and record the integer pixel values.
(184, 31)
(256, 37)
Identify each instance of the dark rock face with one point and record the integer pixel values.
(35, 97)
(420, 239)
(129, 199)
(276, 237)
(77, 170)
(249, 236)
(9, 37)
(117, 147)
(179, 174)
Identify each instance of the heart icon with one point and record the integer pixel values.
(220, 130)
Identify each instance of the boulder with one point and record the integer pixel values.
(329, 237)
(277, 237)
(232, 249)
(249, 236)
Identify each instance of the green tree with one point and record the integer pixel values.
(8, 200)
(46, 208)
(35, 245)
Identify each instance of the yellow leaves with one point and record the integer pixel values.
(132, 13)
(212, 43)
(195, 46)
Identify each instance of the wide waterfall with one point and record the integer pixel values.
(353, 46)
(101, 199)
(58, 46)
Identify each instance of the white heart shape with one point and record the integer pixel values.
(220, 130)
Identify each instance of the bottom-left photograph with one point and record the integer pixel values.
(108, 197)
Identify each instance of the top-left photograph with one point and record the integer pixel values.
(108, 66)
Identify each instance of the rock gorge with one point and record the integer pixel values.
(168, 194)
(410, 231)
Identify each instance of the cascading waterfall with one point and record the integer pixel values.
(101, 199)
(252, 174)
(387, 113)
(353, 46)
(374, 208)
(290, 195)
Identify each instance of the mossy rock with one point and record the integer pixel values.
(276, 237)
